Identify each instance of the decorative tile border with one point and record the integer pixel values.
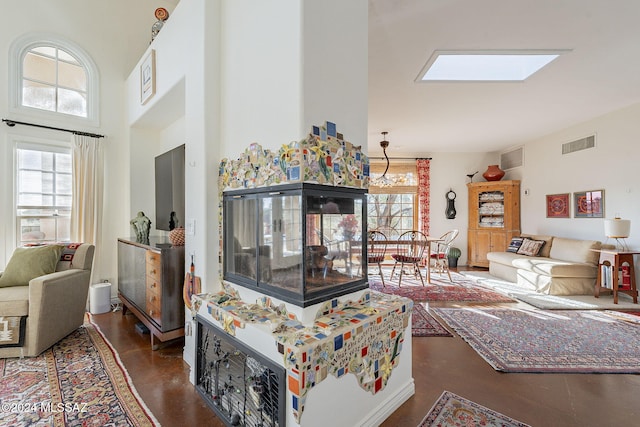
(364, 337)
(324, 157)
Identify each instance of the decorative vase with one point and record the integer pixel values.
(493, 173)
(177, 236)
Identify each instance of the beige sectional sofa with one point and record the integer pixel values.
(563, 266)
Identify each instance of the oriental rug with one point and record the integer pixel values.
(566, 341)
(80, 381)
(440, 289)
(424, 324)
(451, 410)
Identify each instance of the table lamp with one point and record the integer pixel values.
(618, 229)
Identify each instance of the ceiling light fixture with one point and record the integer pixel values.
(385, 144)
(383, 180)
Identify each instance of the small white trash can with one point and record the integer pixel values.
(100, 298)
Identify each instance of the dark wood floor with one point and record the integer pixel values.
(439, 363)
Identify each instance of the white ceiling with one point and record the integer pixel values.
(600, 74)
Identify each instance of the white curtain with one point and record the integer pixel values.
(88, 173)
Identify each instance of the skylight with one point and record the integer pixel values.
(485, 65)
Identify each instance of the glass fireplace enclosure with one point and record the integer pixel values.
(301, 243)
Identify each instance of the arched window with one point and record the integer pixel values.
(51, 75)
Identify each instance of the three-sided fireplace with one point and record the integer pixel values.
(301, 243)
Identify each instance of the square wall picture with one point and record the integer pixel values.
(588, 204)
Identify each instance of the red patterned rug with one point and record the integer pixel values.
(453, 410)
(440, 289)
(424, 324)
(78, 382)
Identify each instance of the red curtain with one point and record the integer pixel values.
(423, 165)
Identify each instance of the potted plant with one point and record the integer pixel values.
(452, 256)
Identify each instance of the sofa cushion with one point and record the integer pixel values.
(505, 258)
(515, 244)
(548, 241)
(575, 250)
(28, 263)
(545, 266)
(14, 301)
(555, 268)
(530, 247)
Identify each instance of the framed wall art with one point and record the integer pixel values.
(148, 77)
(588, 204)
(558, 205)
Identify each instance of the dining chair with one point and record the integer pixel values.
(441, 251)
(376, 250)
(411, 246)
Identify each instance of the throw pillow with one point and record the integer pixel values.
(28, 263)
(515, 244)
(530, 247)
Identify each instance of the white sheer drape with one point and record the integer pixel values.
(88, 174)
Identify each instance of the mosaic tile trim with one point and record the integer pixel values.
(364, 337)
(227, 308)
(324, 157)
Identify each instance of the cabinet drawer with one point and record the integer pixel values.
(155, 313)
(154, 271)
(153, 257)
(154, 299)
(153, 286)
(154, 265)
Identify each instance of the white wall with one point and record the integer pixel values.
(449, 171)
(114, 34)
(612, 166)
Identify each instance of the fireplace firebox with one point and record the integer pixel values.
(301, 243)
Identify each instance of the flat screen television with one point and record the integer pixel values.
(170, 189)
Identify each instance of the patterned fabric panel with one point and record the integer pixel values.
(69, 251)
(375, 259)
(12, 331)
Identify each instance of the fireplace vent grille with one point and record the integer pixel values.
(242, 386)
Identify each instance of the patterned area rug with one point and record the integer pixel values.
(570, 341)
(424, 324)
(78, 382)
(451, 410)
(440, 289)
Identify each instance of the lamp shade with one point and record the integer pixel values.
(617, 228)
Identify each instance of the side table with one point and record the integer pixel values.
(615, 260)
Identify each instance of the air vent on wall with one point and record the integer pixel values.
(579, 144)
(512, 159)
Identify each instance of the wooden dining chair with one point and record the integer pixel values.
(410, 249)
(376, 250)
(441, 252)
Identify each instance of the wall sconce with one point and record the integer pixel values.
(618, 229)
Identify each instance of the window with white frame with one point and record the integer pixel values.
(392, 208)
(54, 80)
(51, 76)
(43, 193)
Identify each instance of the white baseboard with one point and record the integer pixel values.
(389, 406)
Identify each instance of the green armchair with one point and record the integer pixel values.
(50, 307)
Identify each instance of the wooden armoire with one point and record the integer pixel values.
(494, 218)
